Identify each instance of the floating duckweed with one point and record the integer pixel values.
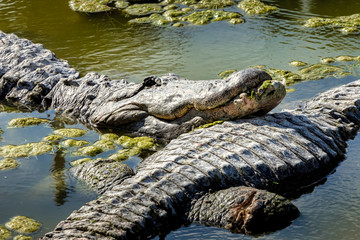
(178, 24)
(174, 13)
(23, 224)
(4, 233)
(139, 142)
(348, 23)
(345, 58)
(88, 151)
(289, 90)
(226, 73)
(206, 16)
(255, 7)
(121, 4)
(328, 60)
(70, 132)
(318, 71)
(105, 144)
(27, 121)
(109, 136)
(8, 163)
(25, 150)
(213, 4)
(288, 76)
(22, 237)
(90, 6)
(74, 143)
(210, 124)
(80, 161)
(298, 63)
(143, 9)
(236, 21)
(125, 153)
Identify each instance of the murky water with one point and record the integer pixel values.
(42, 189)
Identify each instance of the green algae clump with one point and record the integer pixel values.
(213, 4)
(109, 136)
(22, 237)
(345, 58)
(298, 63)
(125, 153)
(53, 138)
(319, 71)
(27, 121)
(210, 124)
(8, 163)
(226, 73)
(280, 75)
(90, 6)
(254, 7)
(88, 151)
(80, 161)
(327, 60)
(74, 143)
(70, 132)
(25, 150)
(143, 143)
(23, 224)
(143, 9)
(4, 233)
(206, 16)
(105, 144)
(348, 24)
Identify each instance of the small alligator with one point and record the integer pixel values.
(163, 107)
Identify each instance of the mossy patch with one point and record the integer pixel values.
(346, 24)
(90, 6)
(8, 163)
(74, 143)
(88, 151)
(27, 121)
(80, 161)
(143, 143)
(4, 233)
(23, 224)
(70, 132)
(254, 7)
(144, 9)
(25, 150)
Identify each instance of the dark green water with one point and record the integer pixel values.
(41, 188)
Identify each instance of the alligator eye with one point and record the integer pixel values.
(149, 81)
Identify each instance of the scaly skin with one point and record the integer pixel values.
(283, 153)
(163, 107)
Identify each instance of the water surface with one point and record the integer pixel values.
(41, 187)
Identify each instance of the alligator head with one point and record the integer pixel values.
(166, 102)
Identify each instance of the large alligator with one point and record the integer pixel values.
(282, 152)
(193, 177)
(163, 107)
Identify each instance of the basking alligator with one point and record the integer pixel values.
(163, 107)
(281, 152)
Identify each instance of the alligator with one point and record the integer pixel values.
(218, 176)
(212, 175)
(163, 107)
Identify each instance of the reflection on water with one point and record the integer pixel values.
(42, 188)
